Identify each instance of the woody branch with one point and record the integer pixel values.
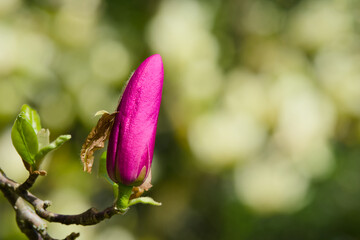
(31, 222)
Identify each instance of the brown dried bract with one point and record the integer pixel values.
(40, 172)
(138, 191)
(96, 139)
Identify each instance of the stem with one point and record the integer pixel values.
(29, 182)
(122, 201)
(34, 225)
(27, 220)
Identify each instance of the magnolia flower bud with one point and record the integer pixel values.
(132, 138)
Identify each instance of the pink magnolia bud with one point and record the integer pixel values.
(132, 138)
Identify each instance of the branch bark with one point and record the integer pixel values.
(30, 222)
(29, 182)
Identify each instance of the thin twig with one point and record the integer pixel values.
(27, 220)
(29, 182)
(89, 217)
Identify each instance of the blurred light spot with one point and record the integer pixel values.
(92, 98)
(110, 61)
(7, 6)
(7, 50)
(115, 233)
(339, 73)
(75, 22)
(262, 17)
(180, 32)
(305, 115)
(56, 111)
(246, 92)
(317, 161)
(10, 98)
(219, 139)
(273, 57)
(201, 81)
(270, 187)
(333, 23)
(77, 79)
(34, 53)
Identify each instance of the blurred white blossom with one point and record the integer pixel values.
(219, 139)
(270, 186)
(110, 61)
(321, 22)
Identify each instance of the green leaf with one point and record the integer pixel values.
(32, 116)
(43, 138)
(24, 139)
(144, 200)
(53, 145)
(102, 168)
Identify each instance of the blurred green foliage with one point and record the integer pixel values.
(258, 134)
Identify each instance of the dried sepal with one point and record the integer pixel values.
(138, 191)
(40, 172)
(96, 139)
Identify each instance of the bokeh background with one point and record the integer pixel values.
(258, 135)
